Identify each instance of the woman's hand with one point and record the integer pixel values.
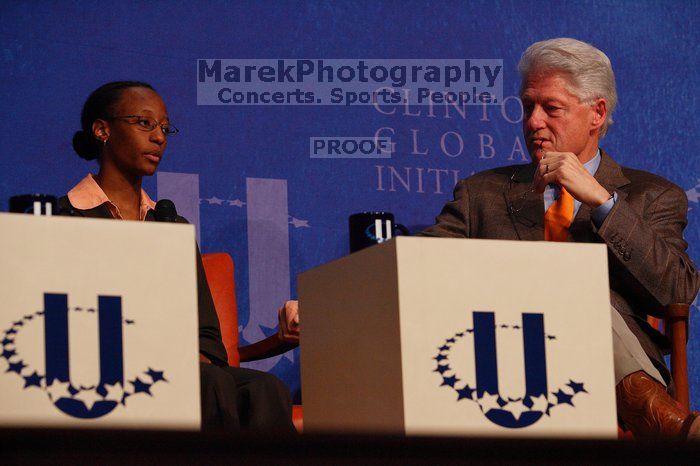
(288, 316)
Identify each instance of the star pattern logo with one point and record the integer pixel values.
(495, 402)
(16, 367)
(34, 380)
(88, 396)
(61, 391)
(156, 376)
(141, 387)
(693, 194)
(450, 380)
(465, 392)
(563, 397)
(57, 390)
(488, 401)
(298, 223)
(216, 201)
(517, 408)
(113, 392)
(539, 403)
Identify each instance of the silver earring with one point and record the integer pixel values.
(104, 142)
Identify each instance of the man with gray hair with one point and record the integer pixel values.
(574, 191)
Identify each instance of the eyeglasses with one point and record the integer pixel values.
(519, 203)
(145, 123)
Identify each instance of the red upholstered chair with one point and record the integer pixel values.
(675, 326)
(220, 275)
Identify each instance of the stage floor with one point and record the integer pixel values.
(47, 446)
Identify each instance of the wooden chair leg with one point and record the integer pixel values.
(676, 323)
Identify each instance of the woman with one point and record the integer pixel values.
(125, 127)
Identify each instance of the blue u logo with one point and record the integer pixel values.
(56, 350)
(513, 413)
(487, 365)
(75, 400)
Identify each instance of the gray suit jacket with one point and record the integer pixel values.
(647, 260)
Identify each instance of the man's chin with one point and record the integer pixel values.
(535, 153)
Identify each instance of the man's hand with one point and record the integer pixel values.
(565, 169)
(289, 322)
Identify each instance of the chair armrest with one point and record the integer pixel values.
(676, 317)
(267, 348)
(677, 310)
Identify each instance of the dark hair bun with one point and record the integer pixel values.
(85, 145)
(99, 106)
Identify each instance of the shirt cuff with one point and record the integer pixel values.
(600, 213)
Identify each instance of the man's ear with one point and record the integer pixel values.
(600, 113)
(100, 130)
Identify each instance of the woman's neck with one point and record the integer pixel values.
(122, 191)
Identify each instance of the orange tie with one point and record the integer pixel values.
(558, 217)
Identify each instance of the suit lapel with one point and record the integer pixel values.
(609, 175)
(526, 208)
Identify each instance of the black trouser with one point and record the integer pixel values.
(235, 398)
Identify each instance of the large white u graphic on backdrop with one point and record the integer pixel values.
(267, 222)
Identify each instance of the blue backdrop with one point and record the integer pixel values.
(230, 163)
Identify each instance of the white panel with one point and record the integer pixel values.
(151, 266)
(443, 281)
(350, 348)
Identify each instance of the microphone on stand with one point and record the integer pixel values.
(165, 211)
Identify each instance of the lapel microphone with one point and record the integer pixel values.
(165, 211)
